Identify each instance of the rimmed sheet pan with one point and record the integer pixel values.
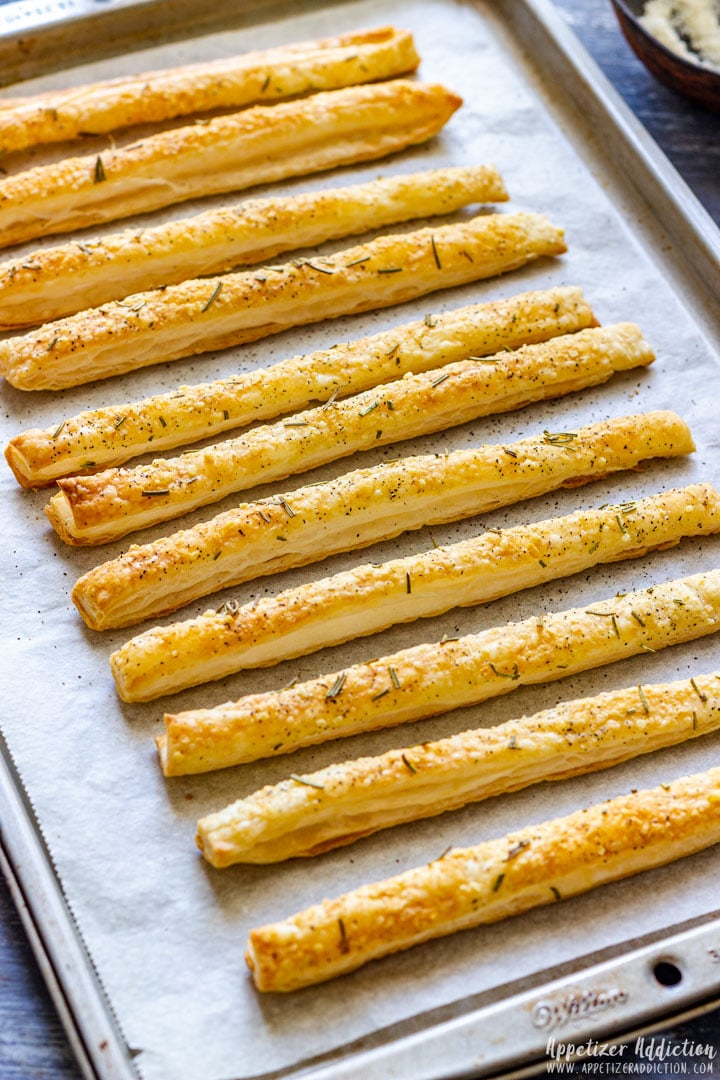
(144, 942)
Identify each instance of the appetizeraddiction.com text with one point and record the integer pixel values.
(656, 1057)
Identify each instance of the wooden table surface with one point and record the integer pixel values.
(32, 1042)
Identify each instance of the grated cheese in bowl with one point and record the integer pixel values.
(689, 28)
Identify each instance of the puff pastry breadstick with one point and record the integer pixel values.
(109, 505)
(306, 815)
(359, 508)
(213, 313)
(108, 436)
(53, 282)
(232, 82)
(429, 679)
(374, 596)
(536, 865)
(228, 153)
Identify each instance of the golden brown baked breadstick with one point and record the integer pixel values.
(359, 508)
(111, 504)
(434, 678)
(111, 435)
(228, 153)
(372, 597)
(53, 282)
(539, 864)
(310, 814)
(231, 82)
(212, 313)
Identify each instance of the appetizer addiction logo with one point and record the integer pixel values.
(647, 1056)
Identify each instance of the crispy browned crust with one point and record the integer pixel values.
(374, 596)
(354, 510)
(213, 313)
(231, 82)
(313, 813)
(539, 864)
(108, 436)
(53, 282)
(111, 504)
(228, 153)
(437, 677)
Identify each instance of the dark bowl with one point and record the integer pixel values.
(693, 81)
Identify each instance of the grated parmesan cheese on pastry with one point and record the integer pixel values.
(315, 812)
(359, 508)
(206, 314)
(440, 676)
(99, 438)
(109, 505)
(231, 82)
(226, 153)
(466, 887)
(372, 597)
(54, 282)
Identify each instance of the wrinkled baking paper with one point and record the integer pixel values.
(164, 930)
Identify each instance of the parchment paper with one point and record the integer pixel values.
(165, 932)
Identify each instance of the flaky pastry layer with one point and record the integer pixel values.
(213, 313)
(111, 504)
(359, 508)
(231, 82)
(539, 864)
(313, 813)
(433, 678)
(108, 436)
(227, 153)
(53, 282)
(372, 597)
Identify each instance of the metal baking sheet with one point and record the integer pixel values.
(142, 942)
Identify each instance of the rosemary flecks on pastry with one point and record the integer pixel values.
(514, 674)
(560, 438)
(700, 694)
(99, 174)
(336, 688)
(215, 293)
(307, 783)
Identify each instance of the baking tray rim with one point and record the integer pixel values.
(65, 962)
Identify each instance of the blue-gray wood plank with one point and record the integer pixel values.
(32, 1043)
